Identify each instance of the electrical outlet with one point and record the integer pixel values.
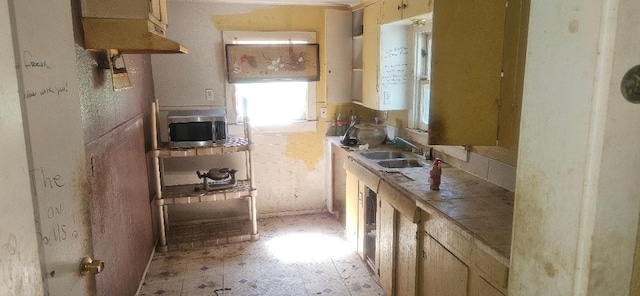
(323, 112)
(209, 94)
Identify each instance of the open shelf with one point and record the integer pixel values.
(199, 234)
(186, 237)
(232, 145)
(186, 193)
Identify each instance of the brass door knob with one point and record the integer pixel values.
(89, 265)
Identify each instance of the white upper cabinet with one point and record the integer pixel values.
(386, 63)
(395, 10)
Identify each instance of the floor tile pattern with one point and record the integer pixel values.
(295, 256)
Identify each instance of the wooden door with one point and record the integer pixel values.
(443, 273)
(406, 260)
(416, 7)
(467, 48)
(513, 62)
(362, 196)
(339, 182)
(391, 11)
(338, 41)
(351, 208)
(386, 249)
(370, 55)
(480, 287)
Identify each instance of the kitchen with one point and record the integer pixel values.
(560, 140)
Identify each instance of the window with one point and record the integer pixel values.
(272, 103)
(423, 77)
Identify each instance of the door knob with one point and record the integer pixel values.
(89, 265)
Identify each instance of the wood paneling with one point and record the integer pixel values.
(120, 210)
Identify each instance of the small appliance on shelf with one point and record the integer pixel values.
(197, 128)
(217, 179)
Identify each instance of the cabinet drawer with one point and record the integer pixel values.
(447, 233)
(491, 269)
(364, 175)
(405, 206)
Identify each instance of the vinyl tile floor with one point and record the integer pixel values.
(295, 256)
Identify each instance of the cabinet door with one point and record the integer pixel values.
(467, 48)
(395, 69)
(515, 47)
(370, 55)
(443, 273)
(480, 287)
(391, 11)
(406, 259)
(338, 39)
(339, 182)
(362, 193)
(386, 245)
(415, 7)
(126, 9)
(351, 208)
(158, 12)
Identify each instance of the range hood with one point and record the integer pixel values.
(127, 36)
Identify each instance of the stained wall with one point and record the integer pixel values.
(290, 162)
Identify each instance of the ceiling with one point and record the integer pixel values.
(280, 2)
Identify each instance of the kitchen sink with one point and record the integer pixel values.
(384, 154)
(399, 163)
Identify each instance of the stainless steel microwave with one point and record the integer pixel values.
(201, 128)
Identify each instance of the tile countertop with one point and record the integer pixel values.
(478, 207)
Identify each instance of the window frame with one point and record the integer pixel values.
(234, 37)
(420, 78)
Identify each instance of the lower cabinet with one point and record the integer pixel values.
(443, 273)
(416, 251)
(455, 264)
(386, 239)
(351, 207)
(337, 201)
(398, 225)
(480, 287)
(406, 257)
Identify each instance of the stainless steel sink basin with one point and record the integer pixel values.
(384, 154)
(399, 163)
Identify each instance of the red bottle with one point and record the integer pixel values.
(434, 175)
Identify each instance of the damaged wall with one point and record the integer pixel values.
(289, 162)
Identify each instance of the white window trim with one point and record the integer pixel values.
(414, 111)
(230, 37)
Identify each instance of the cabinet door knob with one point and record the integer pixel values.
(399, 7)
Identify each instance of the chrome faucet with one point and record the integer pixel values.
(414, 148)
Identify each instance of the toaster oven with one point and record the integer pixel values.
(201, 128)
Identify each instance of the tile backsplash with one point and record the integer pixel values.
(494, 171)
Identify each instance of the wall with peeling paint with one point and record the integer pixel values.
(289, 165)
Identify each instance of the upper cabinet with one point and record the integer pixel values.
(477, 72)
(381, 62)
(128, 26)
(395, 10)
(154, 10)
(158, 12)
(339, 62)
